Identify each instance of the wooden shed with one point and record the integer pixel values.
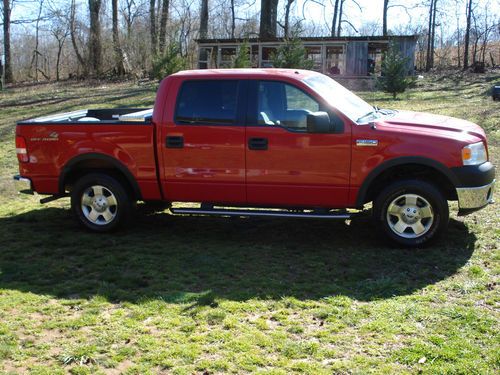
(344, 56)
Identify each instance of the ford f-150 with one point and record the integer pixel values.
(259, 142)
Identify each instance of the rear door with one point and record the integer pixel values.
(204, 142)
(286, 165)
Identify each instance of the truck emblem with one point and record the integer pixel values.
(366, 142)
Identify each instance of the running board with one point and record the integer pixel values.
(261, 213)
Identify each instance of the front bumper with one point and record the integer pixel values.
(471, 199)
(23, 185)
(475, 185)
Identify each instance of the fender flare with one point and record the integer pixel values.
(415, 160)
(97, 156)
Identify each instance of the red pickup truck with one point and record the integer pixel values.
(260, 142)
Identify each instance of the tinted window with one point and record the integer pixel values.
(207, 102)
(284, 105)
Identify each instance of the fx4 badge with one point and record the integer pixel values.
(366, 142)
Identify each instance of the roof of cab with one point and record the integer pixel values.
(248, 73)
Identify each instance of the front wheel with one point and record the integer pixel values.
(412, 213)
(100, 202)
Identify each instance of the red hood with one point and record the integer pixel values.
(430, 123)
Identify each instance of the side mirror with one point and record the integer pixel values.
(318, 122)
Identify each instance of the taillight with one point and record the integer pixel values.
(21, 149)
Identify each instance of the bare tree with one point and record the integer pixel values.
(72, 27)
(431, 32)
(163, 24)
(341, 14)
(203, 33)
(95, 47)
(339, 17)
(335, 17)
(36, 52)
(384, 18)
(233, 19)
(119, 66)
(468, 12)
(8, 76)
(60, 31)
(286, 28)
(268, 18)
(152, 27)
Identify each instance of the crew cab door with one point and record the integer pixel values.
(286, 165)
(203, 142)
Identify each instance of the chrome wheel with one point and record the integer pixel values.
(99, 205)
(410, 216)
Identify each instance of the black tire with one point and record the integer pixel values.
(411, 213)
(111, 209)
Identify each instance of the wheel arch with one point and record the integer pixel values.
(96, 162)
(413, 166)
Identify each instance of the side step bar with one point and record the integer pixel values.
(265, 213)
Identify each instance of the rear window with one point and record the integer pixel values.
(207, 102)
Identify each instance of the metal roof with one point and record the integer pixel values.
(311, 39)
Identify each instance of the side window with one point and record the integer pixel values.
(284, 105)
(207, 102)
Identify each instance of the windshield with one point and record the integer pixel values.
(339, 97)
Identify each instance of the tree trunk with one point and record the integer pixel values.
(286, 29)
(335, 14)
(34, 60)
(120, 69)
(467, 34)
(204, 19)
(428, 64)
(384, 18)
(233, 19)
(60, 44)
(79, 56)
(95, 47)
(341, 10)
(268, 19)
(433, 37)
(8, 77)
(163, 25)
(152, 27)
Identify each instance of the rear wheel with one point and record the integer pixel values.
(100, 202)
(412, 213)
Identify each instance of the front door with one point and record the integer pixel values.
(204, 143)
(286, 165)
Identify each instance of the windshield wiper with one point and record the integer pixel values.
(372, 113)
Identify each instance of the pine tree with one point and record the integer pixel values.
(170, 62)
(394, 77)
(292, 54)
(242, 59)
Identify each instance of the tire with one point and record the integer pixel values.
(411, 213)
(100, 202)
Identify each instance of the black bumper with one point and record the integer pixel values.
(474, 175)
(475, 185)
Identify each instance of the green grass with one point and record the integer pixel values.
(188, 295)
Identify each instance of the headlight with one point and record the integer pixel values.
(474, 154)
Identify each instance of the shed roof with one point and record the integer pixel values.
(311, 39)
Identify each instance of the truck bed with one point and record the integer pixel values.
(105, 116)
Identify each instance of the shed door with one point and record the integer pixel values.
(357, 59)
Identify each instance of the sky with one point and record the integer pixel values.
(370, 13)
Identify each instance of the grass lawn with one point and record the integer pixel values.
(186, 295)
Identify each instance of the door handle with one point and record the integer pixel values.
(174, 142)
(257, 144)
